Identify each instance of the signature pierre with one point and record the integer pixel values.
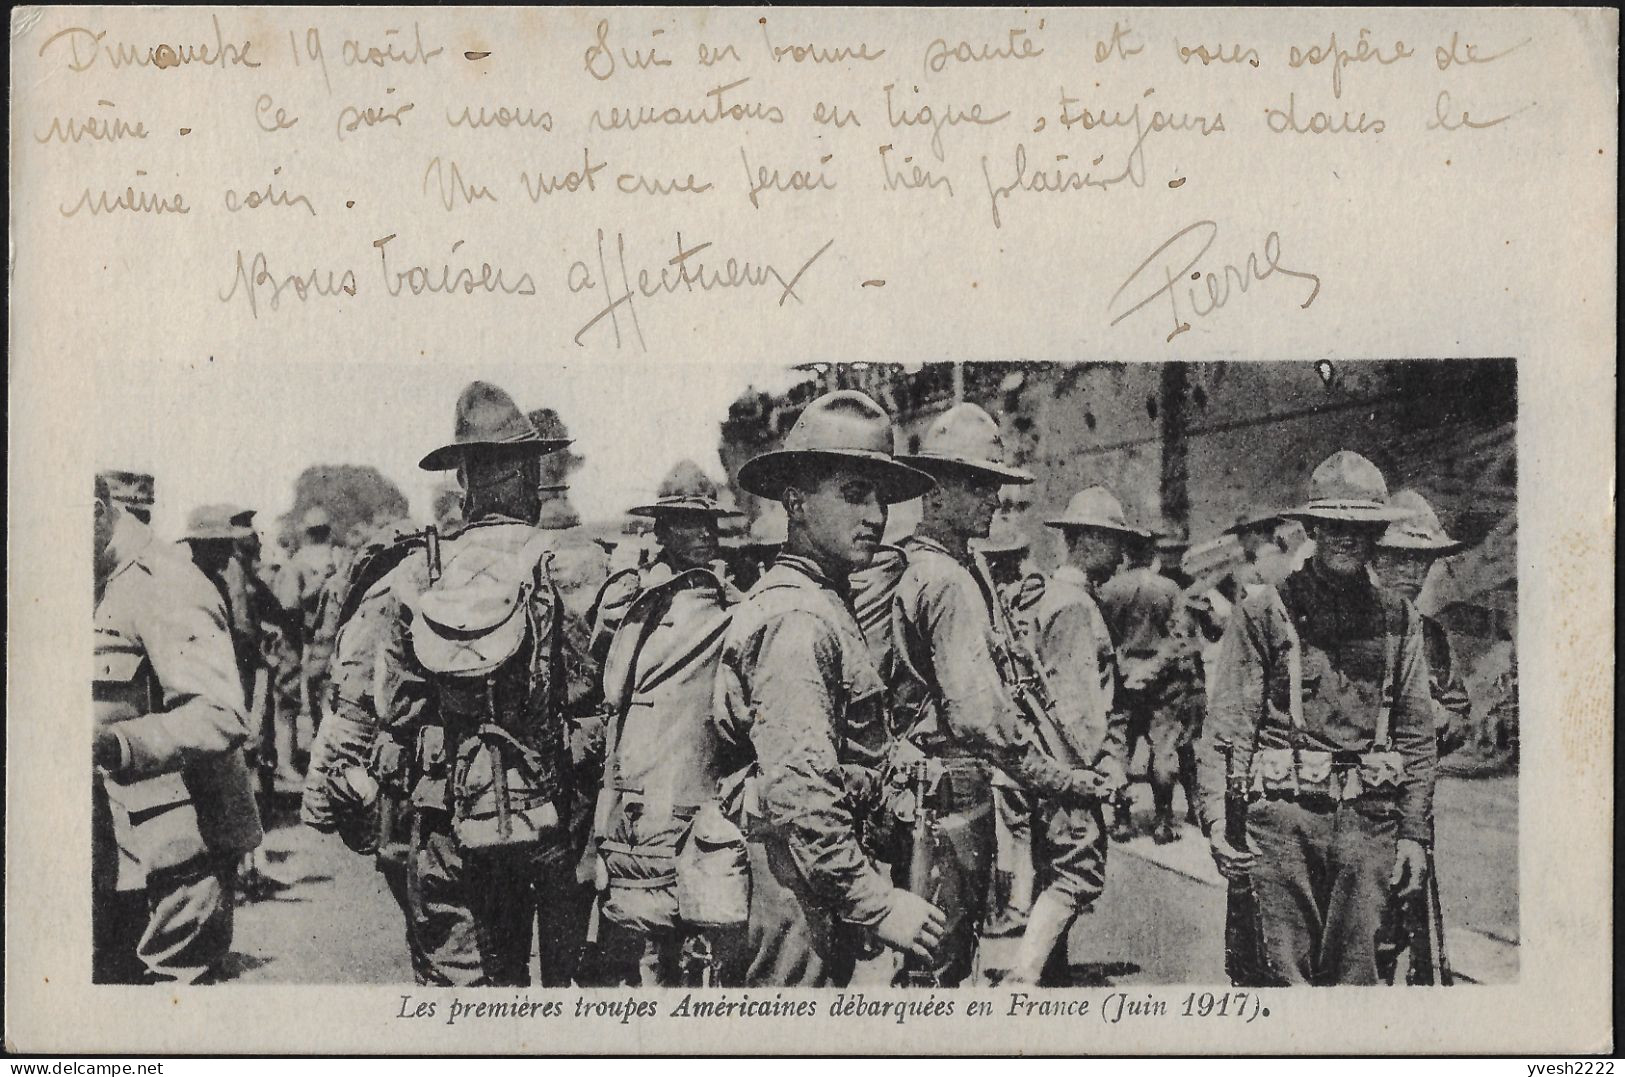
(1176, 261)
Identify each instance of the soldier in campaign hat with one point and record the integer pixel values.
(955, 687)
(1405, 556)
(687, 517)
(1321, 722)
(1068, 634)
(1157, 680)
(478, 862)
(799, 701)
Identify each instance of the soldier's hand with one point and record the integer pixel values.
(1233, 863)
(105, 751)
(356, 788)
(1410, 868)
(912, 925)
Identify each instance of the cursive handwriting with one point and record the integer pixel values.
(128, 200)
(451, 188)
(354, 116)
(1341, 58)
(1459, 53)
(714, 112)
(501, 117)
(269, 197)
(85, 49)
(95, 128)
(1445, 118)
(937, 118)
(418, 280)
(818, 54)
(762, 179)
(681, 273)
(1177, 259)
(255, 274)
(939, 53)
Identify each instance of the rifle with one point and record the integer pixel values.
(1243, 935)
(921, 861)
(1429, 964)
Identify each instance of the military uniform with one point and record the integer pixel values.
(176, 810)
(798, 693)
(661, 754)
(1155, 655)
(1321, 701)
(798, 709)
(300, 586)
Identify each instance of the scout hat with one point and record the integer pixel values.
(1003, 538)
(685, 489)
(129, 489)
(1096, 507)
(965, 438)
(1252, 518)
(214, 522)
(244, 517)
(846, 428)
(1420, 531)
(487, 418)
(1346, 486)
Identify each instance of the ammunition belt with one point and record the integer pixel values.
(1341, 776)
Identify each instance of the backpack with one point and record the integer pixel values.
(486, 631)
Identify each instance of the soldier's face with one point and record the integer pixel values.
(1404, 571)
(967, 502)
(1344, 548)
(689, 539)
(102, 535)
(837, 519)
(1097, 551)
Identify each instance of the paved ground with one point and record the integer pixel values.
(1161, 920)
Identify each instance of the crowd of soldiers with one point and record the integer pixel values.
(766, 761)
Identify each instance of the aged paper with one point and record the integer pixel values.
(245, 242)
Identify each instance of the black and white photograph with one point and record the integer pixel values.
(985, 673)
(552, 531)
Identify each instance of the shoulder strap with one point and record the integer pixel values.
(1385, 698)
(1294, 660)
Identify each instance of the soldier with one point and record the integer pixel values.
(799, 700)
(1006, 552)
(661, 748)
(212, 539)
(950, 686)
(1255, 532)
(686, 540)
(1144, 612)
(1200, 622)
(1405, 555)
(1321, 707)
(1075, 653)
(300, 586)
(451, 711)
(174, 804)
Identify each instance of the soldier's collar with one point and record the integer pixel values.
(129, 540)
(810, 568)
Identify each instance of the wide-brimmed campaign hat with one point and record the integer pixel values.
(1347, 487)
(843, 428)
(1420, 531)
(1096, 507)
(487, 419)
(128, 488)
(214, 522)
(1254, 518)
(965, 438)
(1002, 538)
(687, 490)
